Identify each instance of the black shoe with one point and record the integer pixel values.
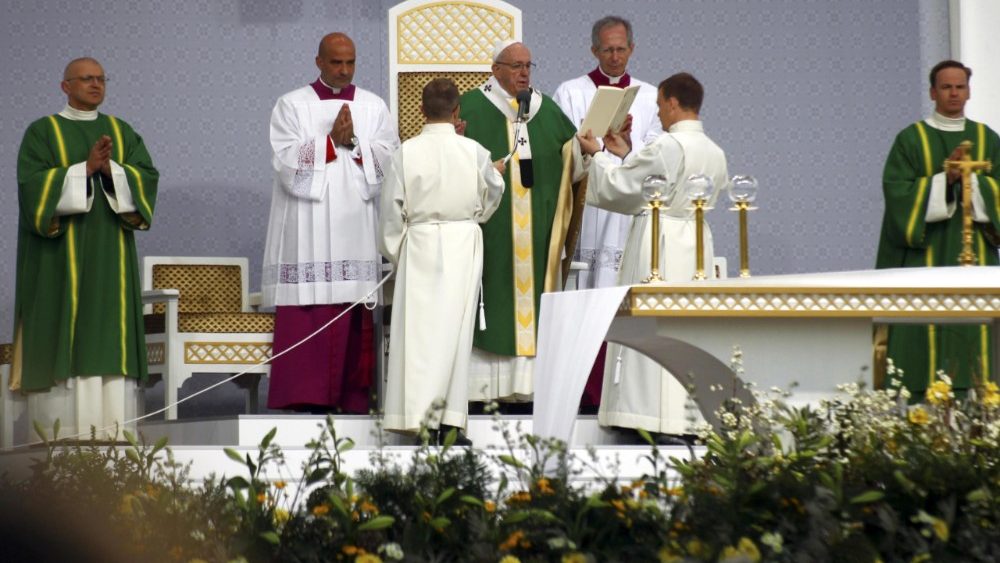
(438, 436)
(460, 438)
(675, 439)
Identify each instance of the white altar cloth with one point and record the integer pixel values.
(814, 330)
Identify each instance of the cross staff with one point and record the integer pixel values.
(966, 166)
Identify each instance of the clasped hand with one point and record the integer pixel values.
(343, 127)
(99, 159)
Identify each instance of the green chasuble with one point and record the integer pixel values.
(78, 304)
(908, 240)
(511, 302)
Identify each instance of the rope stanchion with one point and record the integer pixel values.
(364, 301)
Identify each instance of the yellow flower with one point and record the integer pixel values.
(696, 549)
(351, 550)
(490, 506)
(261, 497)
(281, 515)
(938, 393)
(940, 528)
(520, 496)
(619, 505)
(918, 415)
(575, 557)
(745, 550)
(544, 486)
(125, 507)
(320, 510)
(991, 394)
(666, 555)
(280, 485)
(368, 558)
(368, 508)
(512, 540)
(510, 559)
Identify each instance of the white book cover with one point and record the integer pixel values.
(609, 109)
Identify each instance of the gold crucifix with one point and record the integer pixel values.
(966, 166)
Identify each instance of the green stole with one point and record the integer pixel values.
(512, 303)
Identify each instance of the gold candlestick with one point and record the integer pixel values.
(699, 233)
(743, 192)
(654, 260)
(743, 207)
(966, 166)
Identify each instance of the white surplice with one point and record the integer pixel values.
(320, 245)
(637, 392)
(439, 187)
(603, 233)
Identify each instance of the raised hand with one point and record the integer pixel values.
(588, 144)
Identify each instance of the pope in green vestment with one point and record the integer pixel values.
(922, 226)
(516, 240)
(78, 309)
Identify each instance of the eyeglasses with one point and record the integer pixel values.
(518, 67)
(89, 79)
(613, 50)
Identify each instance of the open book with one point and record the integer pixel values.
(609, 109)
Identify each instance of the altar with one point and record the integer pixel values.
(805, 333)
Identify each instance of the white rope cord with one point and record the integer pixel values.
(363, 301)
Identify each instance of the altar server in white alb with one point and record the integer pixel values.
(331, 142)
(637, 392)
(603, 233)
(439, 187)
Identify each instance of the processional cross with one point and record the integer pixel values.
(966, 166)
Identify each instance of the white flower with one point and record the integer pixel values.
(391, 550)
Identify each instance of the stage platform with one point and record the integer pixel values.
(599, 453)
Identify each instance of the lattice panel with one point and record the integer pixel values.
(792, 304)
(225, 322)
(411, 86)
(6, 353)
(226, 352)
(156, 352)
(204, 288)
(451, 33)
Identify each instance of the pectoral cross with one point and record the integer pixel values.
(966, 166)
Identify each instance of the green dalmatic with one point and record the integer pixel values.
(909, 241)
(78, 308)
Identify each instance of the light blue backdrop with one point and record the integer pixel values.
(805, 94)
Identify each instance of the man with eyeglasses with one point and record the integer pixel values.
(331, 142)
(603, 233)
(86, 183)
(522, 242)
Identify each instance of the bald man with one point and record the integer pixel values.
(331, 143)
(86, 183)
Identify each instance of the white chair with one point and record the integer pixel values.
(452, 39)
(12, 403)
(198, 319)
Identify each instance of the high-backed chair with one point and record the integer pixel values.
(199, 320)
(453, 39)
(12, 403)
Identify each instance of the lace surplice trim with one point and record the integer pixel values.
(606, 258)
(321, 272)
(302, 183)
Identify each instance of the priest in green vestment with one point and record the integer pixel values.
(922, 227)
(85, 185)
(522, 239)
